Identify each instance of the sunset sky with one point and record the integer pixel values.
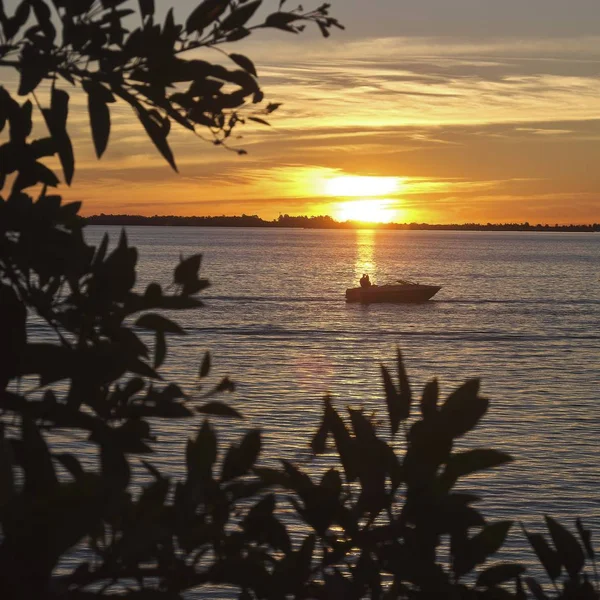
(453, 111)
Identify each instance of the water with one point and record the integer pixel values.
(519, 310)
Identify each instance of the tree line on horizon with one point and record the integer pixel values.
(318, 222)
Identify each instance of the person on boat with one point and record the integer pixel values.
(365, 281)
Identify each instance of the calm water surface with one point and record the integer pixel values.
(519, 310)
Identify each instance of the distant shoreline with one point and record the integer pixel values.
(321, 222)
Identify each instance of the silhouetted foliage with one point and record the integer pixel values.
(387, 520)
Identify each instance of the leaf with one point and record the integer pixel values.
(272, 477)
(6, 471)
(56, 120)
(519, 590)
(98, 97)
(204, 14)
(156, 126)
(536, 589)
(186, 271)
(50, 361)
(237, 34)
(69, 462)
(319, 440)
(11, 26)
(259, 120)
(152, 469)
(240, 15)
(115, 468)
(146, 8)
(567, 547)
(157, 135)
(219, 409)
(480, 547)
(471, 461)
(586, 538)
(394, 402)
(304, 557)
(100, 252)
(21, 122)
(499, 574)
(152, 500)
(201, 454)
(405, 391)
(332, 480)
(546, 555)
(38, 173)
(323, 28)
(281, 20)
(272, 107)
(160, 349)
(205, 366)
(225, 385)
(240, 459)
(244, 62)
(429, 399)
(261, 525)
(463, 409)
(262, 510)
(343, 441)
(43, 147)
(32, 70)
(43, 16)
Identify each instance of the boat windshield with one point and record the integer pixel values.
(405, 282)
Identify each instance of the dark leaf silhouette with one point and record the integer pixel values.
(429, 400)
(187, 270)
(477, 549)
(546, 555)
(463, 409)
(244, 62)
(72, 465)
(398, 401)
(240, 459)
(568, 550)
(586, 538)
(206, 13)
(98, 99)
(156, 126)
(204, 366)
(6, 471)
(471, 461)
(201, 454)
(259, 120)
(40, 477)
(535, 588)
(239, 16)
(56, 120)
(146, 8)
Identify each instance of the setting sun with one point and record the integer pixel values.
(367, 211)
(358, 185)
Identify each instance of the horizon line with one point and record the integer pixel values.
(323, 220)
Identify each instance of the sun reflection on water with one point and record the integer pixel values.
(365, 253)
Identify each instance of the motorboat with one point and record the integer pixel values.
(401, 291)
